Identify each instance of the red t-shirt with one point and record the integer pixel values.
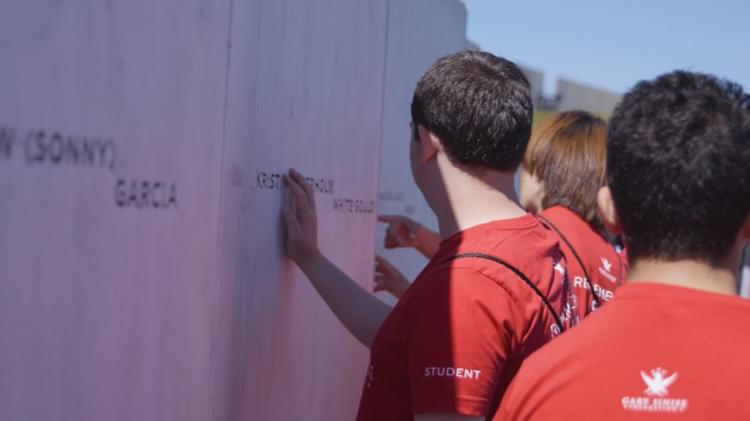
(655, 352)
(459, 333)
(605, 266)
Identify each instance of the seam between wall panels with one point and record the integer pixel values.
(219, 227)
(379, 166)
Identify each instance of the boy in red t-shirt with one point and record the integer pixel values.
(673, 343)
(561, 175)
(450, 346)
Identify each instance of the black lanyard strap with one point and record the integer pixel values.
(518, 273)
(577, 257)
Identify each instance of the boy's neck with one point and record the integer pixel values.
(471, 201)
(686, 273)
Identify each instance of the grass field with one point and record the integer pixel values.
(541, 116)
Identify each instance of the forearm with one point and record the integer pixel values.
(428, 242)
(359, 311)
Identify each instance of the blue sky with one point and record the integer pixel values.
(614, 43)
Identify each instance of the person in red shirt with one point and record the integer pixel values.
(673, 343)
(450, 346)
(561, 174)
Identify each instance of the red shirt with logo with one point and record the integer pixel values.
(459, 333)
(605, 266)
(656, 352)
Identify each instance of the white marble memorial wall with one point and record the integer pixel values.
(141, 142)
(109, 115)
(420, 32)
(306, 92)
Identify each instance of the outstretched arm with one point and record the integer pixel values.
(359, 311)
(403, 231)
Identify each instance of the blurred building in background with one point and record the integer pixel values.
(580, 96)
(569, 94)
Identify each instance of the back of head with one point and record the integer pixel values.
(677, 160)
(567, 154)
(479, 106)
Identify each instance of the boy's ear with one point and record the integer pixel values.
(607, 211)
(429, 144)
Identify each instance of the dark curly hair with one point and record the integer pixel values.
(678, 164)
(480, 108)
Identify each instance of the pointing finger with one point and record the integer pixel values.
(388, 219)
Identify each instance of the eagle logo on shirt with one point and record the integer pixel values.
(558, 267)
(658, 382)
(606, 264)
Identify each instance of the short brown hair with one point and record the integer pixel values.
(479, 106)
(568, 155)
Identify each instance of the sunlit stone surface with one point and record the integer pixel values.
(141, 147)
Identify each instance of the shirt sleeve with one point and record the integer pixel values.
(509, 408)
(538, 384)
(460, 339)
